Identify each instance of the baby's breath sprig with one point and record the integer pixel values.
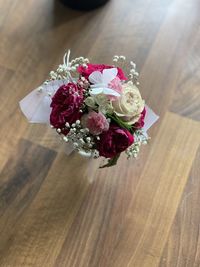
(64, 70)
(75, 63)
(80, 138)
(119, 61)
(139, 139)
(83, 83)
(133, 74)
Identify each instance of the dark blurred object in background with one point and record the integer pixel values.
(84, 4)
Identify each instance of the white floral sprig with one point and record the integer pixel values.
(133, 74)
(119, 61)
(80, 138)
(139, 139)
(64, 70)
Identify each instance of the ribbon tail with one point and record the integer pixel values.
(36, 107)
(150, 119)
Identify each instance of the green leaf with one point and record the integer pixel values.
(111, 162)
(121, 123)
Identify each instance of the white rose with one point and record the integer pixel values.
(130, 104)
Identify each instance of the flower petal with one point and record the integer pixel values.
(96, 77)
(96, 91)
(109, 75)
(108, 91)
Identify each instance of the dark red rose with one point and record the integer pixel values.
(140, 123)
(86, 71)
(114, 141)
(66, 104)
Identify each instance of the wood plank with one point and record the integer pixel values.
(19, 183)
(38, 236)
(173, 59)
(186, 100)
(182, 248)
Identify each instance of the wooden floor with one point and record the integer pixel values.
(142, 213)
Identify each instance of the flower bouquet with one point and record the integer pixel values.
(95, 108)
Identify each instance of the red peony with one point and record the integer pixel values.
(86, 71)
(66, 104)
(114, 141)
(140, 123)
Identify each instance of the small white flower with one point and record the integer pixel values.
(100, 82)
(65, 139)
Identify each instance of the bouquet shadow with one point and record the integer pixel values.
(64, 192)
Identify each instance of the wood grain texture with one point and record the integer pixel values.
(20, 183)
(142, 213)
(151, 208)
(182, 248)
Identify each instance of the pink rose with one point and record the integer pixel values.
(95, 122)
(66, 105)
(86, 71)
(114, 141)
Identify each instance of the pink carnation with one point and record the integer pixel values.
(95, 122)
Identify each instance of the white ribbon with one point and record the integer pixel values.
(36, 105)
